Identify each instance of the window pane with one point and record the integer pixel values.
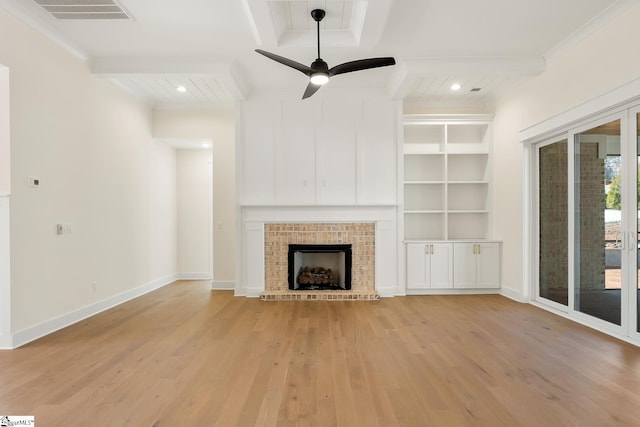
(554, 223)
(598, 224)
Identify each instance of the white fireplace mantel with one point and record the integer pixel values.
(251, 272)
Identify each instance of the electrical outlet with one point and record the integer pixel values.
(94, 286)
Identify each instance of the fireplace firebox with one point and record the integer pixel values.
(319, 267)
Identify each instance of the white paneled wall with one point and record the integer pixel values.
(318, 152)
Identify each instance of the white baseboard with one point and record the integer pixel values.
(30, 334)
(194, 276)
(514, 295)
(386, 292)
(220, 285)
(252, 292)
(451, 291)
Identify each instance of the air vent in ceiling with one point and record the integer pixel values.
(84, 9)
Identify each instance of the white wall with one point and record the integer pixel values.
(195, 180)
(219, 127)
(90, 145)
(605, 60)
(5, 275)
(5, 189)
(5, 156)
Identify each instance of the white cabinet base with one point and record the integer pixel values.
(460, 267)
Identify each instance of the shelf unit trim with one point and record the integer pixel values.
(468, 182)
(468, 211)
(425, 182)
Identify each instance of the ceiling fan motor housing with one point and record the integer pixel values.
(319, 66)
(317, 14)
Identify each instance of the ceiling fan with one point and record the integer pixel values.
(319, 72)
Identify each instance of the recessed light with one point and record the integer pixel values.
(455, 86)
(181, 89)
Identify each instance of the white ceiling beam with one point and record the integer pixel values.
(104, 66)
(374, 22)
(228, 72)
(257, 13)
(407, 73)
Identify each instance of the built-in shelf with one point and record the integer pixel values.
(446, 177)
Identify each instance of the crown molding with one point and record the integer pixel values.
(41, 22)
(588, 29)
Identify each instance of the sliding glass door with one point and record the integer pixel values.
(587, 201)
(599, 231)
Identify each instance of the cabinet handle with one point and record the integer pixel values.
(474, 248)
(478, 249)
(431, 249)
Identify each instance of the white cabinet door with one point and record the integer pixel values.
(488, 265)
(441, 261)
(476, 265)
(429, 266)
(464, 265)
(416, 266)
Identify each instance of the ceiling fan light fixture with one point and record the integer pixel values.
(319, 78)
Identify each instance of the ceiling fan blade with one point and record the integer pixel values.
(361, 64)
(286, 61)
(310, 90)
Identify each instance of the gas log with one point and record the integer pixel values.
(315, 276)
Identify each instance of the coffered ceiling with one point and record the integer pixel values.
(151, 47)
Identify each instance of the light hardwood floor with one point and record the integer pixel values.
(187, 356)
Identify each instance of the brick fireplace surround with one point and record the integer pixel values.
(278, 237)
(371, 229)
